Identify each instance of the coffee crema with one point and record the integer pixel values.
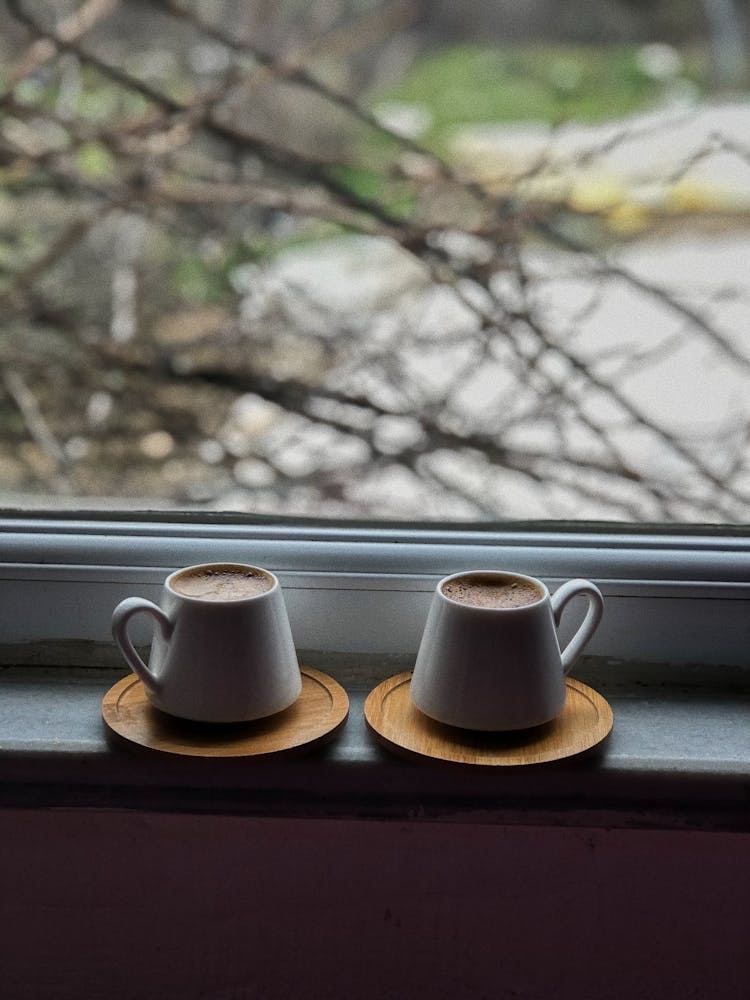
(222, 583)
(491, 591)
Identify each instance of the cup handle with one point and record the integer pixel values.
(120, 618)
(594, 612)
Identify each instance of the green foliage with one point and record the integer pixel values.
(396, 197)
(197, 281)
(472, 84)
(95, 161)
(99, 101)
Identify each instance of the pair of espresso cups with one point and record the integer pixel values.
(489, 657)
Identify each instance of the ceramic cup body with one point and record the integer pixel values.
(493, 669)
(227, 660)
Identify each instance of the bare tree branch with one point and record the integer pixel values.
(193, 170)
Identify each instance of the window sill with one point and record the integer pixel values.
(678, 758)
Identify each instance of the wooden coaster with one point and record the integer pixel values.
(395, 720)
(319, 712)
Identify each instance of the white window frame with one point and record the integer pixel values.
(670, 597)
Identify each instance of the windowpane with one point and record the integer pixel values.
(353, 258)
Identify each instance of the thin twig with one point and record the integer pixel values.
(31, 412)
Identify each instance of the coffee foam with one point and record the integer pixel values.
(481, 591)
(222, 583)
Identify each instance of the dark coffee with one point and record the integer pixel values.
(492, 591)
(221, 583)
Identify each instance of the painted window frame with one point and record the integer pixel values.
(671, 595)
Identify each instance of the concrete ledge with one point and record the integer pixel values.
(679, 757)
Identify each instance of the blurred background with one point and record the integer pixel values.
(347, 258)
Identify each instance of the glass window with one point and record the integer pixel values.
(348, 258)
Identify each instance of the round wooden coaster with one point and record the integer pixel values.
(395, 720)
(319, 712)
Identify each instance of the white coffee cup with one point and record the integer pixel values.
(222, 649)
(498, 668)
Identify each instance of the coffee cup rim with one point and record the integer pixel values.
(224, 565)
(496, 574)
